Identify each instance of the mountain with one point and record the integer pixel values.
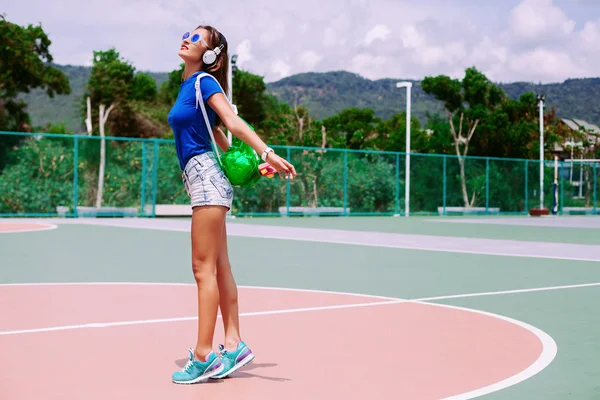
(325, 94)
(44, 110)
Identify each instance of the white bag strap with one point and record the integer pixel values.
(200, 101)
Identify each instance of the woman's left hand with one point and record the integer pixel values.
(281, 165)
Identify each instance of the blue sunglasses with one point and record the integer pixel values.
(195, 38)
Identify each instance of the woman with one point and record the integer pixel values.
(211, 193)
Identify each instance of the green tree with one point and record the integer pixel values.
(352, 128)
(249, 95)
(144, 88)
(170, 88)
(435, 138)
(508, 130)
(24, 54)
(25, 64)
(111, 83)
(468, 102)
(391, 134)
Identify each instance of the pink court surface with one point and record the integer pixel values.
(20, 227)
(123, 340)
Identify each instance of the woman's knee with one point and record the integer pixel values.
(203, 270)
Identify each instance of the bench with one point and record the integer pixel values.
(580, 210)
(314, 211)
(83, 211)
(468, 210)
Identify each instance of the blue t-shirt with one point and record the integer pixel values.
(191, 136)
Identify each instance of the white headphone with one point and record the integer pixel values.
(210, 56)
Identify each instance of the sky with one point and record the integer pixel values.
(509, 40)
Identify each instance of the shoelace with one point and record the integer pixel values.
(187, 366)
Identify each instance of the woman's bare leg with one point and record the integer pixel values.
(207, 231)
(228, 296)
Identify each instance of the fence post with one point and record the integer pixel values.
(287, 187)
(397, 184)
(444, 184)
(487, 184)
(595, 188)
(75, 175)
(345, 182)
(562, 188)
(155, 179)
(526, 186)
(143, 202)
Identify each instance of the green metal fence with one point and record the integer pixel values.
(57, 175)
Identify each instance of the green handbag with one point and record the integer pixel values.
(240, 162)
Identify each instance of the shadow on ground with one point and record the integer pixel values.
(244, 372)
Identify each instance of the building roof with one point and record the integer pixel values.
(592, 134)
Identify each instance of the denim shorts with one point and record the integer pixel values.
(206, 183)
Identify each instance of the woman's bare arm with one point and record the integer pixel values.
(240, 129)
(221, 138)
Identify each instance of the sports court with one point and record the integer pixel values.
(347, 308)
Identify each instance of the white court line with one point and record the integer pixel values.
(540, 289)
(44, 227)
(549, 351)
(388, 301)
(279, 289)
(549, 347)
(162, 320)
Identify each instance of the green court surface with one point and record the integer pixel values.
(557, 296)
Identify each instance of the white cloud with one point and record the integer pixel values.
(543, 64)
(509, 40)
(540, 20)
(281, 69)
(272, 33)
(488, 51)
(309, 59)
(379, 32)
(411, 38)
(330, 37)
(244, 52)
(589, 37)
(367, 65)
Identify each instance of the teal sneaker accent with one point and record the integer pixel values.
(196, 371)
(234, 360)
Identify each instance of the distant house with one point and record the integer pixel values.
(585, 140)
(584, 145)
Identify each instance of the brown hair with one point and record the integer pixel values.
(221, 67)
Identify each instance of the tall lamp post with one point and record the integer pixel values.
(232, 70)
(541, 99)
(408, 86)
(541, 210)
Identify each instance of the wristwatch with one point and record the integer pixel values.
(266, 153)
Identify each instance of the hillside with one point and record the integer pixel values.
(67, 108)
(325, 94)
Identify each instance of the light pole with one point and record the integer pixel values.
(541, 99)
(232, 70)
(408, 86)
